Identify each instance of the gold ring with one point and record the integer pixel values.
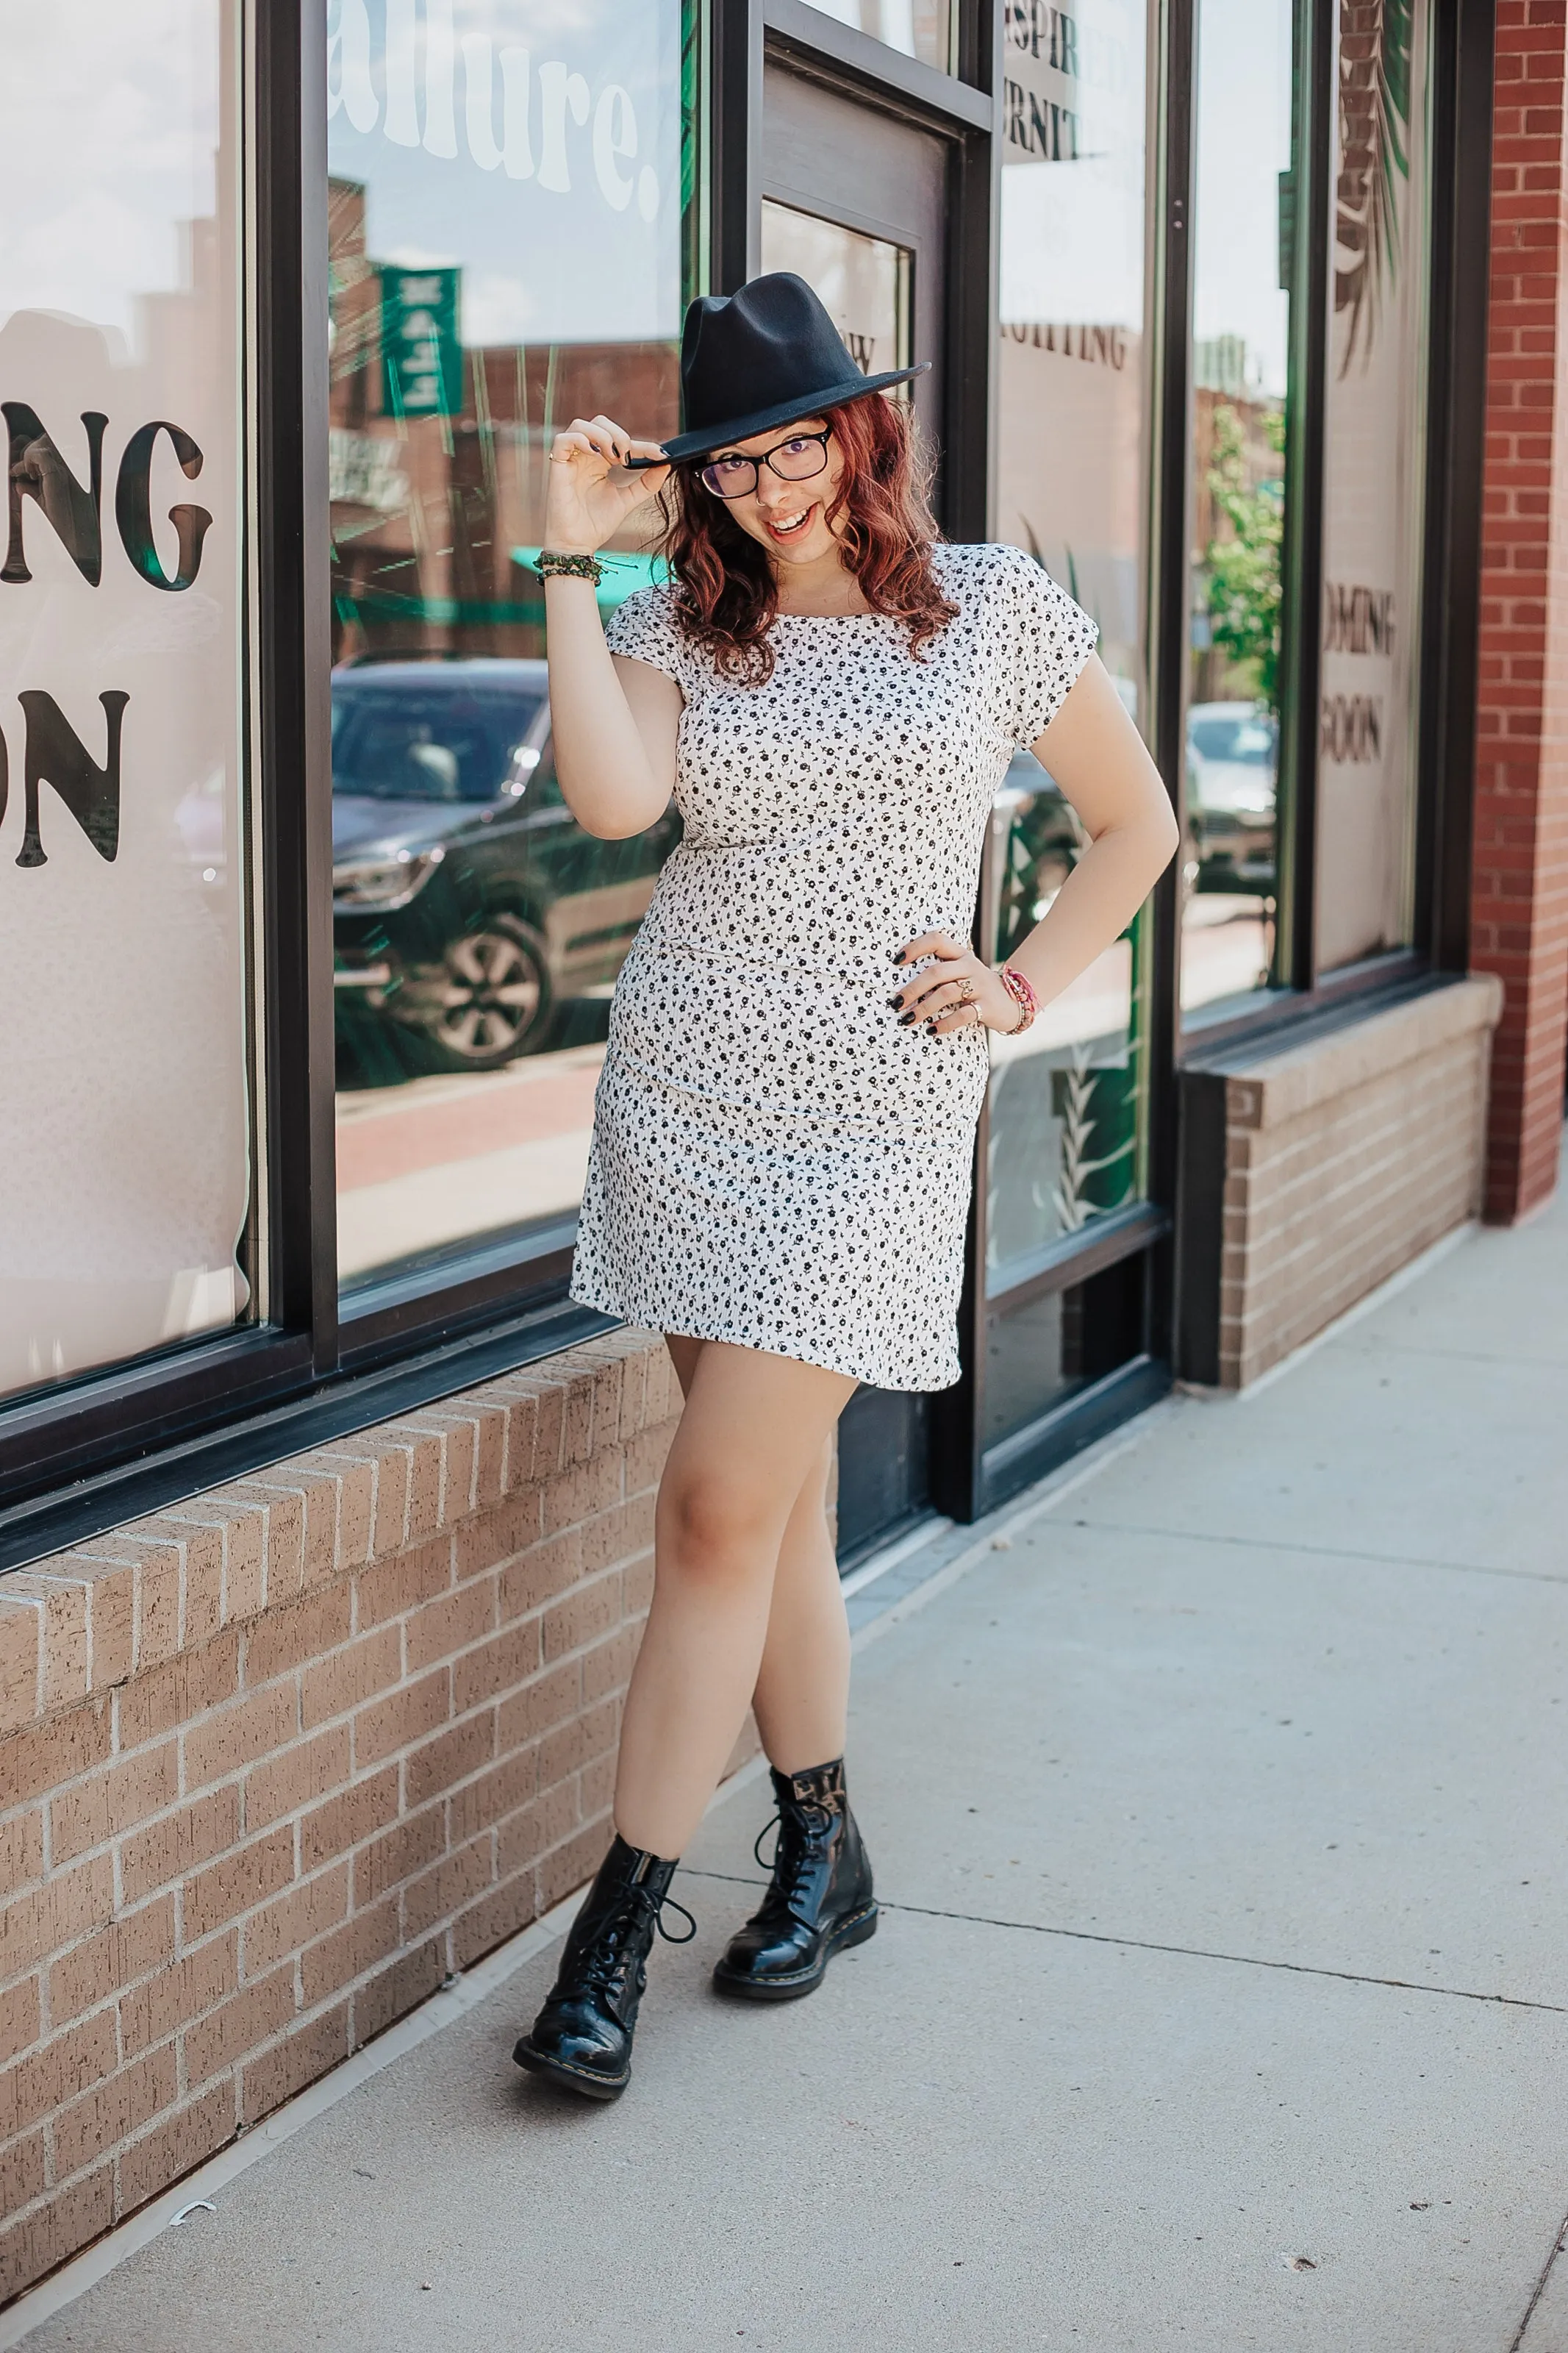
(966, 990)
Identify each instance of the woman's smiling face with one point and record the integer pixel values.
(789, 519)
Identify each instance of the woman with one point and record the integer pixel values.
(784, 1124)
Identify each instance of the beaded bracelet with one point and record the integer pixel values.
(550, 561)
(1023, 997)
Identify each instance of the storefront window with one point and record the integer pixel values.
(125, 1146)
(1068, 1099)
(1241, 319)
(864, 283)
(1374, 450)
(508, 215)
(920, 28)
(1044, 1346)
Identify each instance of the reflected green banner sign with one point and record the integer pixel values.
(421, 355)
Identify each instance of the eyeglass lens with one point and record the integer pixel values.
(791, 462)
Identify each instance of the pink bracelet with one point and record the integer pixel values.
(1023, 997)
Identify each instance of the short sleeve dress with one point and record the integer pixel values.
(776, 1161)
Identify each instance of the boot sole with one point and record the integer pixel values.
(571, 2079)
(857, 1930)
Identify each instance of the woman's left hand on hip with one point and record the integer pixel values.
(955, 992)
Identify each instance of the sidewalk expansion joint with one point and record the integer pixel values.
(1517, 2343)
(1320, 1551)
(1187, 1952)
(1511, 1358)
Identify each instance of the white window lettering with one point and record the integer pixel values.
(420, 110)
(558, 90)
(513, 148)
(441, 129)
(402, 124)
(614, 135)
(349, 84)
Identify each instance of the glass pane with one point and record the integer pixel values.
(125, 1150)
(919, 28)
(1068, 1099)
(1039, 1355)
(864, 283)
(507, 231)
(1068, 1096)
(1373, 457)
(1241, 322)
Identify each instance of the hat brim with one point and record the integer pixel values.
(687, 446)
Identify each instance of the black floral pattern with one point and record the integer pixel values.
(775, 1161)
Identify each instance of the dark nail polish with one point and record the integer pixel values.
(905, 1018)
(898, 955)
(895, 1002)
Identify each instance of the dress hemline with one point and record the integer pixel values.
(708, 1328)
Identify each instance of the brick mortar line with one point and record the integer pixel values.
(35, 2305)
(358, 1776)
(298, 2022)
(494, 1968)
(406, 1468)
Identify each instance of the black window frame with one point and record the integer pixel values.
(112, 1445)
(1310, 1003)
(1463, 33)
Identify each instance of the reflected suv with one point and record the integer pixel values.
(466, 900)
(1233, 754)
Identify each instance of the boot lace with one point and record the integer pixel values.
(787, 1866)
(605, 1958)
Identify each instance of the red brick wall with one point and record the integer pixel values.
(1520, 887)
(1344, 1159)
(274, 1762)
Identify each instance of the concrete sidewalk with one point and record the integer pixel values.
(1221, 1996)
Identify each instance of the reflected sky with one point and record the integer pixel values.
(100, 172)
(534, 143)
(1243, 145)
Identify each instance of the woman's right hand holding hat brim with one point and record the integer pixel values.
(590, 495)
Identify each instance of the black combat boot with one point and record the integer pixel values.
(583, 2036)
(819, 1899)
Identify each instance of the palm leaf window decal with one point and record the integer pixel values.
(1375, 43)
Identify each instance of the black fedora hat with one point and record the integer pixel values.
(763, 357)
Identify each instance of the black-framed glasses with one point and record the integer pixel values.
(794, 460)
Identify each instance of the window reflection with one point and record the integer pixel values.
(1241, 329)
(1043, 1348)
(1067, 1097)
(125, 1148)
(1374, 459)
(919, 28)
(864, 283)
(506, 241)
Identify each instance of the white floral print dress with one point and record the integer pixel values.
(775, 1160)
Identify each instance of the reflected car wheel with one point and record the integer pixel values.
(497, 997)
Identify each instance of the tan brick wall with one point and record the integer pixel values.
(1344, 1159)
(273, 1763)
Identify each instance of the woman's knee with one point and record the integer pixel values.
(713, 1527)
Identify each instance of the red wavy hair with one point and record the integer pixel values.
(726, 593)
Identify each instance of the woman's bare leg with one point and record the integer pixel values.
(801, 1699)
(756, 1426)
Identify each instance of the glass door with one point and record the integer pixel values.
(853, 202)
